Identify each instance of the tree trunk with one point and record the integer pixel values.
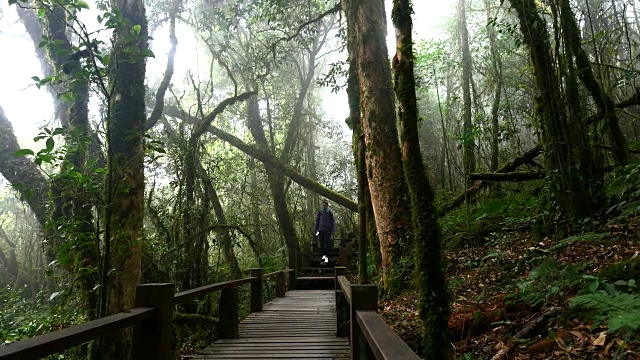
(496, 66)
(384, 163)
(22, 173)
(358, 145)
(577, 183)
(224, 232)
(468, 141)
(585, 72)
(276, 184)
(125, 187)
(433, 298)
(255, 206)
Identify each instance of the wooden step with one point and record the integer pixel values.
(315, 282)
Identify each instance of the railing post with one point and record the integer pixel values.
(256, 290)
(293, 278)
(342, 306)
(363, 297)
(228, 313)
(342, 258)
(152, 338)
(281, 280)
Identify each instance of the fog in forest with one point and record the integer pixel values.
(478, 159)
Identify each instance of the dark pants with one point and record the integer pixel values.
(325, 242)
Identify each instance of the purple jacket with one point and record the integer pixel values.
(325, 221)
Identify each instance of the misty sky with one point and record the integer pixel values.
(29, 108)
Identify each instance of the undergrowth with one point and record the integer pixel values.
(586, 266)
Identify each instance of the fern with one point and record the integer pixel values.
(620, 310)
(579, 238)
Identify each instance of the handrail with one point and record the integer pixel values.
(53, 342)
(151, 319)
(384, 342)
(188, 295)
(369, 334)
(345, 286)
(275, 273)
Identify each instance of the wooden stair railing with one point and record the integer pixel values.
(357, 318)
(151, 319)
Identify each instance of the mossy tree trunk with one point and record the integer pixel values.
(433, 299)
(23, 174)
(221, 221)
(71, 228)
(359, 148)
(384, 165)
(125, 186)
(195, 230)
(498, 81)
(577, 180)
(468, 141)
(603, 101)
(276, 183)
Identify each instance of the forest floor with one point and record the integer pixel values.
(511, 291)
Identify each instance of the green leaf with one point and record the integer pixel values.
(82, 5)
(23, 152)
(50, 144)
(148, 53)
(41, 12)
(136, 29)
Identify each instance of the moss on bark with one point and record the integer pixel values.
(433, 299)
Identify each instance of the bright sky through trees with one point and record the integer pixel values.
(29, 108)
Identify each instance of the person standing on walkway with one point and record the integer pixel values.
(325, 226)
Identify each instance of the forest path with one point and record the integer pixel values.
(301, 325)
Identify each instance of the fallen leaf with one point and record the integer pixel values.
(578, 334)
(601, 340)
(605, 352)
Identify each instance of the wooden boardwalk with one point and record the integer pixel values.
(302, 325)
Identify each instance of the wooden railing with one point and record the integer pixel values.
(151, 319)
(369, 335)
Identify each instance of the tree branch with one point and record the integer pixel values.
(511, 176)
(288, 171)
(168, 74)
(22, 173)
(526, 158)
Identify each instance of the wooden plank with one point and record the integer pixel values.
(273, 356)
(281, 346)
(291, 339)
(384, 342)
(188, 295)
(300, 325)
(345, 286)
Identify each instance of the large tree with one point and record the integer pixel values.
(432, 290)
(568, 152)
(383, 159)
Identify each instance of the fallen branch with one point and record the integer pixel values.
(529, 329)
(512, 176)
(526, 158)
